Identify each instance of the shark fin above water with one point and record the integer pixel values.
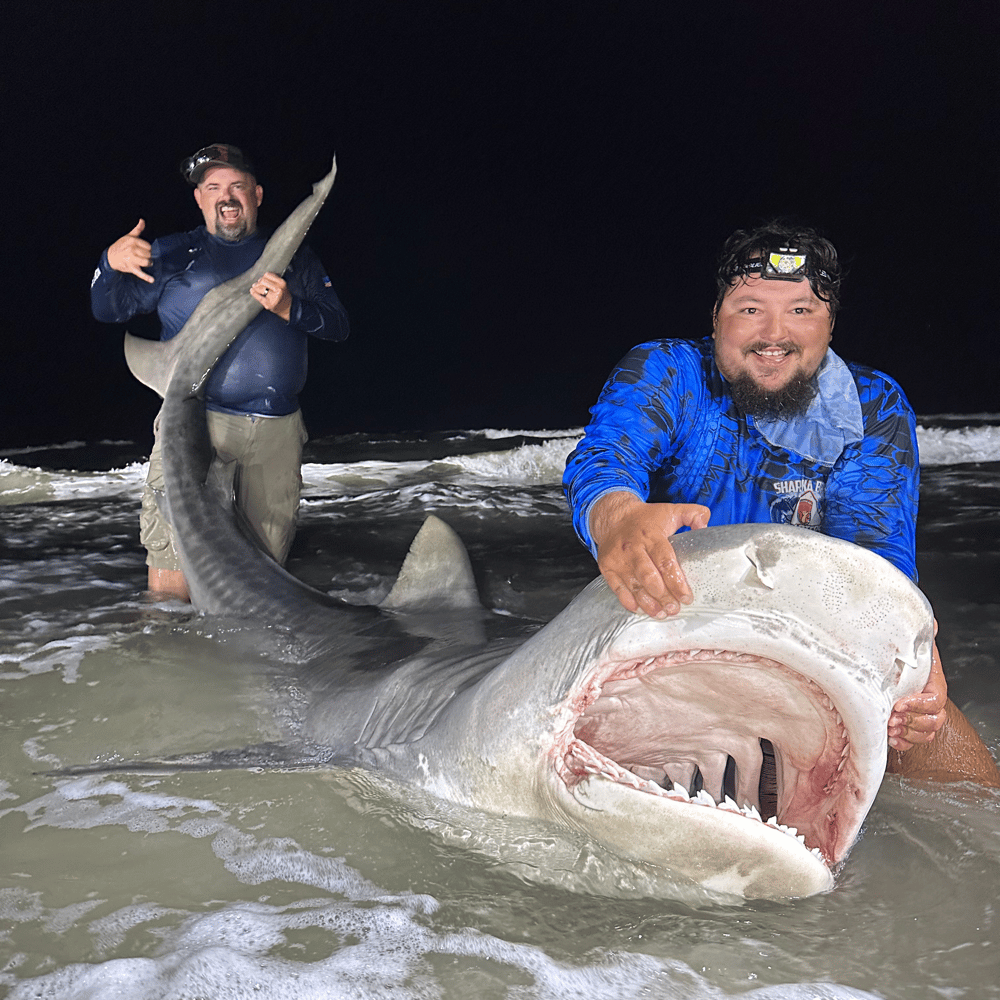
(436, 573)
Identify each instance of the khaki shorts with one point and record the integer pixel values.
(268, 456)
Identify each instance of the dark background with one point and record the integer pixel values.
(525, 190)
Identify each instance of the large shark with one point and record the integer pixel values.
(739, 743)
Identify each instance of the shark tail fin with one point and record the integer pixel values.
(151, 361)
(436, 572)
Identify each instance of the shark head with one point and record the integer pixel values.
(739, 743)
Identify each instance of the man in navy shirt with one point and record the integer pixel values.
(252, 394)
(761, 422)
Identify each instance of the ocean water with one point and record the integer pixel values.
(325, 884)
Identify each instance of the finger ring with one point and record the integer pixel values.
(266, 290)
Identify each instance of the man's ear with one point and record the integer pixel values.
(259, 192)
(197, 196)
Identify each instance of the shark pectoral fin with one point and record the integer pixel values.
(150, 361)
(436, 572)
(758, 573)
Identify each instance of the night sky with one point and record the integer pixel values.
(525, 190)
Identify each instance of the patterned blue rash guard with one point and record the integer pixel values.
(264, 369)
(666, 429)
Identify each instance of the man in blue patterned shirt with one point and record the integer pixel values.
(759, 423)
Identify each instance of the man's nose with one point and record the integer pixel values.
(775, 328)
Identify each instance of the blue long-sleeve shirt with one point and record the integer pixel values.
(665, 428)
(264, 369)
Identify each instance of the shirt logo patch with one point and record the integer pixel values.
(799, 502)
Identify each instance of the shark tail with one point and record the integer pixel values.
(151, 361)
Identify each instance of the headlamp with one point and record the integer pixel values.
(778, 263)
(782, 252)
(785, 263)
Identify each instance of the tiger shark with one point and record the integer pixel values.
(739, 743)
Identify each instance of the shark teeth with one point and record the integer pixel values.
(581, 760)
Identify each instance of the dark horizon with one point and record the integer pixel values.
(524, 192)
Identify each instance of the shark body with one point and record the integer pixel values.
(739, 743)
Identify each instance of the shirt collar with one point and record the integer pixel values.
(831, 422)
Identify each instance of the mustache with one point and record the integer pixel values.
(764, 345)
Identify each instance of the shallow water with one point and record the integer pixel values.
(325, 883)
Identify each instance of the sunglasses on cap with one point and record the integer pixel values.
(219, 154)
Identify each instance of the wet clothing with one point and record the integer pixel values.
(252, 393)
(268, 456)
(666, 429)
(264, 369)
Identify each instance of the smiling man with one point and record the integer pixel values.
(252, 394)
(760, 423)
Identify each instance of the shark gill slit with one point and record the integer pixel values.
(767, 786)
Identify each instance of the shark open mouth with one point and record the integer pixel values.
(723, 730)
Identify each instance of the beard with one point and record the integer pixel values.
(752, 399)
(791, 400)
(232, 232)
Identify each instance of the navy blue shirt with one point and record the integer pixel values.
(264, 369)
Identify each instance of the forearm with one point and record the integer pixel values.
(630, 434)
(596, 470)
(607, 511)
(319, 318)
(114, 297)
(957, 754)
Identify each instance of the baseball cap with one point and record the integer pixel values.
(219, 154)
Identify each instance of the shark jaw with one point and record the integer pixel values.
(656, 737)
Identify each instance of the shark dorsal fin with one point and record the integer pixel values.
(436, 572)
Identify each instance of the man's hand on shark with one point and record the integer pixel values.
(634, 553)
(130, 254)
(918, 717)
(638, 562)
(272, 293)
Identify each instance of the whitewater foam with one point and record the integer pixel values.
(326, 946)
(540, 463)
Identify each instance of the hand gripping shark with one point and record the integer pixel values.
(739, 743)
